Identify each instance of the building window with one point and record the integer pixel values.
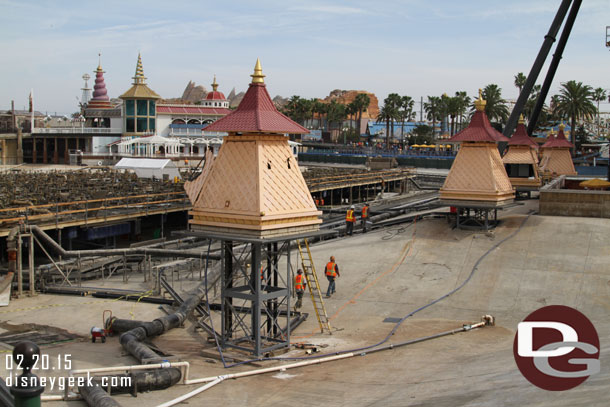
(151, 108)
(142, 107)
(151, 124)
(129, 107)
(130, 125)
(142, 124)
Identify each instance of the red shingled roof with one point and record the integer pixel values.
(193, 110)
(479, 129)
(558, 141)
(520, 138)
(256, 114)
(215, 95)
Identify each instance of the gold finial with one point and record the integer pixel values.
(521, 119)
(562, 126)
(214, 84)
(258, 76)
(99, 63)
(480, 103)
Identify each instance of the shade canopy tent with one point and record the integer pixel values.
(150, 146)
(595, 183)
(150, 167)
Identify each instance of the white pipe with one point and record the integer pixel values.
(271, 369)
(213, 381)
(52, 397)
(193, 393)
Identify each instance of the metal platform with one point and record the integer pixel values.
(255, 294)
(478, 215)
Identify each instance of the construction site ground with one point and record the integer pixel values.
(388, 273)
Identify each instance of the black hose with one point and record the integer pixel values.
(97, 397)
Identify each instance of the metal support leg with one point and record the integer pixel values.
(255, 282)
(31, 264)
(19, 267)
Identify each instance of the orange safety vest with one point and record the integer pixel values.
(350, 216)
(298, 282)
(331, 269)
(365, 211)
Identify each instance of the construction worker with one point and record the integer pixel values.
(349, 221)
(364, 217)
(332, 272)
(299, 288)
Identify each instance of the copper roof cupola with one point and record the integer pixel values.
(521, 160)
(477, 173)
(254, 187)
(556, 157)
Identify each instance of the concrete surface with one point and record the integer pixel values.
(551, 260)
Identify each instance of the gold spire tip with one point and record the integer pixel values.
(521, 119)
(480, 103)
(258, 76)
(214, 84)
(562, 126)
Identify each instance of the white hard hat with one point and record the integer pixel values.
(352, 207)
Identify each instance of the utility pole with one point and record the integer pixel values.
(608, 137)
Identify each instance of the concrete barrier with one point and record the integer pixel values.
(555, 201)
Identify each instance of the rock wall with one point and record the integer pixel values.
(348, 96)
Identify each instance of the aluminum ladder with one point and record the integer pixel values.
(314, 286)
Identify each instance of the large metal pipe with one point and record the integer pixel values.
(549, 39)
(46, 239)
(96, 396)
(550, 75)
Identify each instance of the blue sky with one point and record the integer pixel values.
(307, 48)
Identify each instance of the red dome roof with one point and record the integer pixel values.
(215, 95)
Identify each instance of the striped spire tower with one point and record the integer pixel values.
(139, 78)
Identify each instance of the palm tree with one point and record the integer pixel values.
(297, 109)
(335, 114)
(599, 94)
(432, 107)
(454, 106)
(463, 105)
(351, 110)
(575, 102)
(553, 108)
(495, 108)
(393, 102)
(405, 112)
(530, 104)
(386, 115)
(319, 108)
(362, 102)
(520, 79)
